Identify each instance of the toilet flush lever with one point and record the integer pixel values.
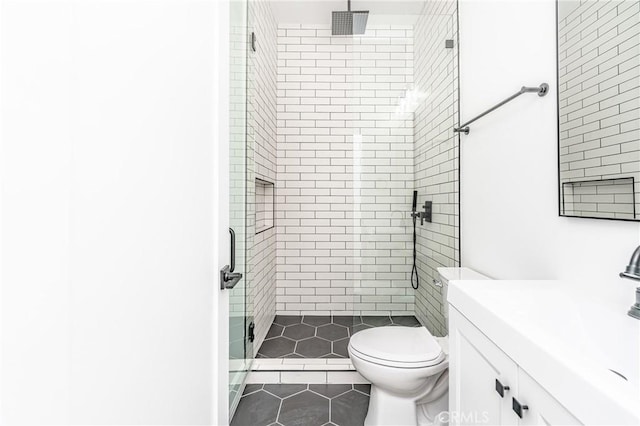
(437, 282)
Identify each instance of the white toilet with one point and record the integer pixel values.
(407, 368)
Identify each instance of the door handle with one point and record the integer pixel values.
(228, 278)
(232, 233)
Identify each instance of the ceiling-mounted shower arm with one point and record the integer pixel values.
(541, 90)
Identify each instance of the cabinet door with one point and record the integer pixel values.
(475, 365)
(542, 409)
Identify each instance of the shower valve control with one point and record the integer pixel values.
(426, 214)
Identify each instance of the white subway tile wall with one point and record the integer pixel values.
(345, 171)
(261, 164)
(436, 154)
(599, 83)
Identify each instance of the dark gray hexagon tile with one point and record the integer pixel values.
(283, 391)
(299, 331)
(332, 332)
(377, 321)
(346, 320)
(293, 355)
(287, 319)
(313, 347)
(340, 348)
(349, 409)
(250, 388)
(358, 327)
(277, 347)
(304, 409)
(256, 409)
(316, 320)
(407, 321)
(274, 331)
(363, 388)
(330, 390)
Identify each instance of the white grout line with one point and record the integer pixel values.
(305, 377)
(287, 364)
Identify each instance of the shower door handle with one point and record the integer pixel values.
(228, 278)
(232, 233)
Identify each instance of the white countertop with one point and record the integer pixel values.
(564, 336)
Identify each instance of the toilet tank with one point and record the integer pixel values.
(455, 274)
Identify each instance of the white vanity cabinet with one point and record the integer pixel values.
(489, 388)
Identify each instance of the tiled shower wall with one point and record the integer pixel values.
(261, 163)
(599, 77)
(345, 171)
(436, 154)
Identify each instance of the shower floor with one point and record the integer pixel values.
(312, 336)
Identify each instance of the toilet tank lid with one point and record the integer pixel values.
(453, 274)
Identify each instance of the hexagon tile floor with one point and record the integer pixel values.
(302, 405)
(320, 336)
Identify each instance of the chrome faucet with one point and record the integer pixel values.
(633, 272)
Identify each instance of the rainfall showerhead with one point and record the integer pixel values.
(348, 22)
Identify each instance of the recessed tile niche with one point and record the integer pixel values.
(264, 205)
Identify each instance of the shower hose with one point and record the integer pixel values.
(415, 282)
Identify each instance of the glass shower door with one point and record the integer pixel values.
(240, 348)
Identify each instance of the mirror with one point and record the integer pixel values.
(599, 108)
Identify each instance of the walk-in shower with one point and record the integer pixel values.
(346, 129)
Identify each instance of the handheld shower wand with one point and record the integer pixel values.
(415, 201)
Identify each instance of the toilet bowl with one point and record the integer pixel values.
(407, 367)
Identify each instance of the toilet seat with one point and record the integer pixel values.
(399, 347)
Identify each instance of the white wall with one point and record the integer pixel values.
(509, 209)
(108, 212)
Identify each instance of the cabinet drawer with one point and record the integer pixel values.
(543, 409)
